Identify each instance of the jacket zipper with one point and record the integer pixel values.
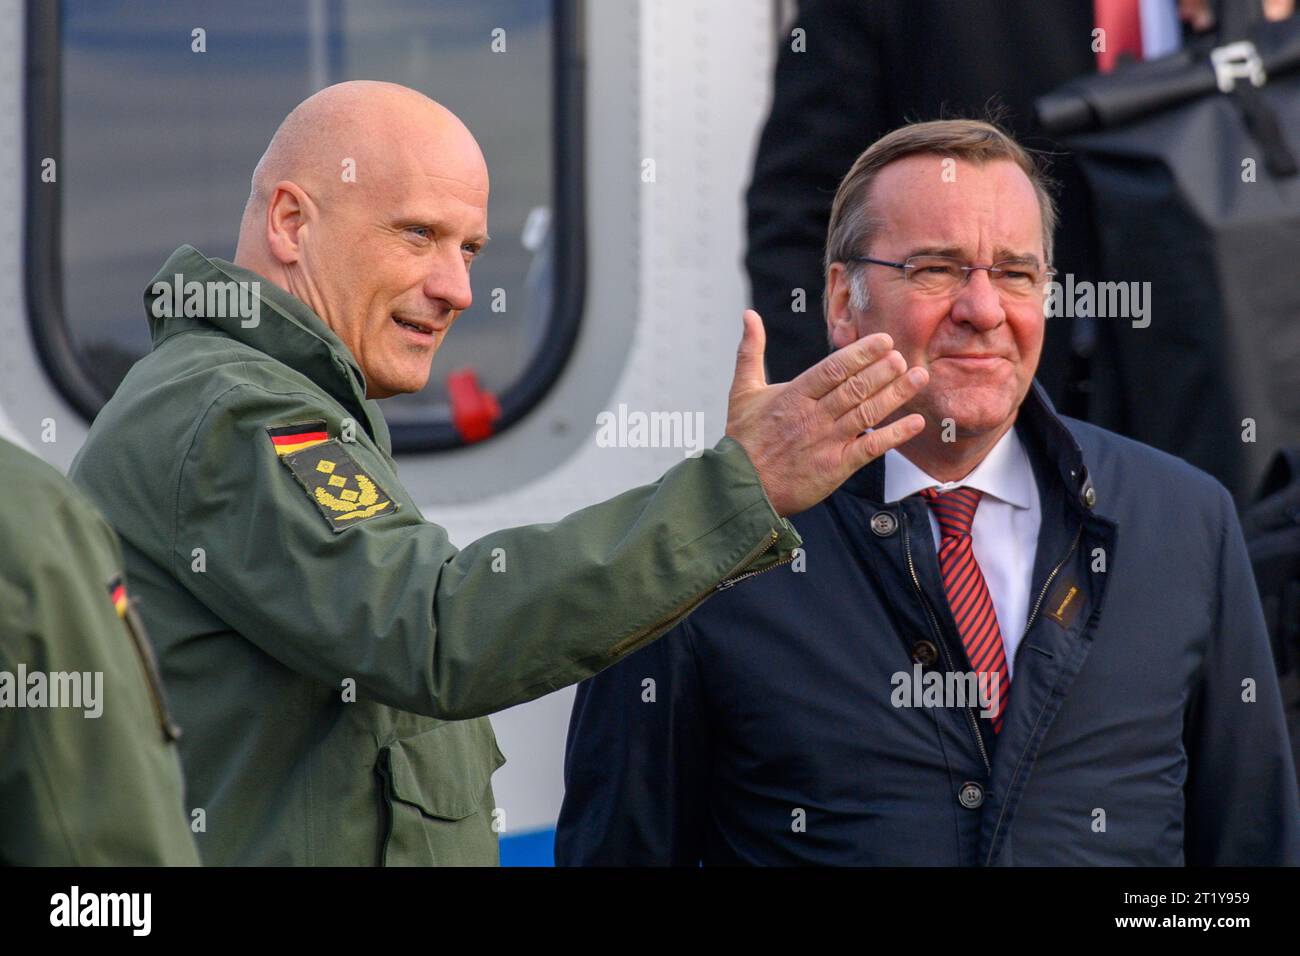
(943, 645)
(1048, 583)
(771, 539)
(1028, 624)
(732, 582)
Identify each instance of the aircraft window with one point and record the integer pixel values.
(155, 129)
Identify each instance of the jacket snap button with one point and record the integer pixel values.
(1089, 496)
(884, 524)
(924, 653)
(971, 795)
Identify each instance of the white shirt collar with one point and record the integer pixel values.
(1005, 474)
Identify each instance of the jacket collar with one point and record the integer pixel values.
(286, 329)
(1040, 427)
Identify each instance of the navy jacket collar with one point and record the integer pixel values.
(1044, 434)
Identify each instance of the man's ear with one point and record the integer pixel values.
(286, 217)
(841, 327)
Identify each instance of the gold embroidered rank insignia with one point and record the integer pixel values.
(342, 491)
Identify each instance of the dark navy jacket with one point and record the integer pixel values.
(1144, 724)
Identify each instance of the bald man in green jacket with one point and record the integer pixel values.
(331, 655)
(88, 771)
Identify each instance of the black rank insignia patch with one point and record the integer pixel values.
(342, 491)
(1064, 604)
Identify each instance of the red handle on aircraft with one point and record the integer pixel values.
(474, 409)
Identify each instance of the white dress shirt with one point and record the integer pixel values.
(1004, 535)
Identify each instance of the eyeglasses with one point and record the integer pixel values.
(944, 275)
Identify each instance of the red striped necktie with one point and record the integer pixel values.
(968, 594)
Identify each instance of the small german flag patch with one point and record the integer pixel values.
(117, 594)
(126, 610)
(342, 491)
(288, 439)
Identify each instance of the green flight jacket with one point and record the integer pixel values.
(271, 584)
(95, 780)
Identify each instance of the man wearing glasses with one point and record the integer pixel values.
(1016, 639)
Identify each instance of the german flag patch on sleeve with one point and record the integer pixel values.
(290, 438)
(340, 488)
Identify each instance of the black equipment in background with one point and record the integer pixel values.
(1191, 161)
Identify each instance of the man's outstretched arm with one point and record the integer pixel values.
(390, 603)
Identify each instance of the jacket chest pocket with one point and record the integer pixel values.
(437, 790)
